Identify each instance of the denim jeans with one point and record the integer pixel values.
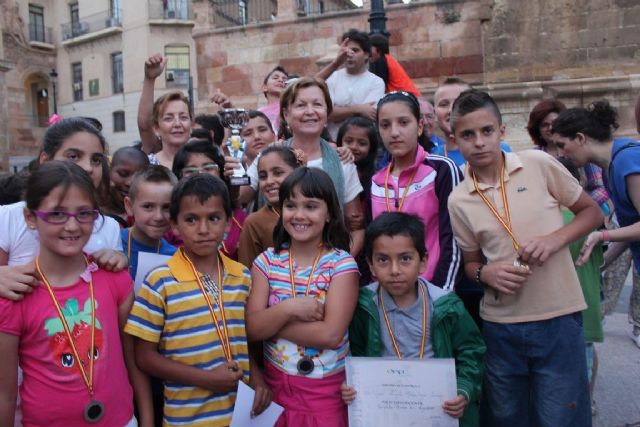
(536, 374)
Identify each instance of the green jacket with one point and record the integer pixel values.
(453, 333)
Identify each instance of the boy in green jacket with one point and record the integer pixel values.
(405, 316)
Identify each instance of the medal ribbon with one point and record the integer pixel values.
(292, 276)
(506, 224)
(129, 247)
(88, 380)
(404, 193)
(424, 324)
(223, 333)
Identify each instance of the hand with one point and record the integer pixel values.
(262, 398)
(504, 276)
(154, 66)
(305, 309)
(345, 155)
(110, 260)
(585, 252)
(355, 221)
(455, 407)
(221, 99)
(348, 393)
(16, 281)
(368, 110)
(342, 53)
(230, 163)
(224, 378)
(539, 249)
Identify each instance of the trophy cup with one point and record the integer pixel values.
(235, 119)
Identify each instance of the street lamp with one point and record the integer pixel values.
(377, 18)
(54, 76)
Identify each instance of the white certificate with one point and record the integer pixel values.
(403, 393)
(147, 261)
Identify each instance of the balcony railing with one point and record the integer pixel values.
(318, 7)
(230, 13)
(91, 24)
(40, 33)
(170, 9)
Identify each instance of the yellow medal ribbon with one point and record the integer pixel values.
(292, 276)
(424, 324)
(404, 193)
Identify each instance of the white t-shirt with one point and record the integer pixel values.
(348, 89)
(352, 186)
(22, 244)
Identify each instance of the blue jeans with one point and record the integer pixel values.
(536, 374)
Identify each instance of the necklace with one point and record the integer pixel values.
(396, 348)
(223, 333)
(94, 411)
(399, 204)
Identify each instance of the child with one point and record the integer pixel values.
(179, 303)
(272, 87)
(303, 293)
(201, 157)
(126, 161)
(508, 221)
(257, 134)
(274, 165)
(148, 203)
(417, 183)
(66, 332)
(396, 254)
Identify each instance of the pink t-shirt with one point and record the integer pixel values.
(50, 371)
(273, 112)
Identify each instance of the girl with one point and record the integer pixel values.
(303, 294)
(200, 156)
(586, 135)
(257, 134)
(274, 165)
(67, 331)
(418, 184)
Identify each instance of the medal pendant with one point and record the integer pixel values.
(93, 412)
(519, 263)
(305, 365)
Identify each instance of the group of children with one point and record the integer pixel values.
(273, 298)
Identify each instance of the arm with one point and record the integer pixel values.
(587, 217)
(262, 398)
(341, 113)
(263, 322)
(336, 63)
(8, 378)
(153, 67)
(139, 381)
(110, 260)
(339, 307)
(16, 281)
(614, 250)
(502, 276)
(354, 219)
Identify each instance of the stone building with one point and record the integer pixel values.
(92, 52)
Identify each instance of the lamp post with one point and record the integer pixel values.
(54, 76)
(377, 18)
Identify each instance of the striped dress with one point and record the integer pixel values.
(171, 311)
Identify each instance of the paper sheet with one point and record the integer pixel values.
(242, 410)
(147, 261)
(392, 392)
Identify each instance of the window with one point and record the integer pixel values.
(76, 74)
(117, 75)
(77, 29)
(36, 23)
(177, 69)
(242, 12)
(115, 10)
(118, 121)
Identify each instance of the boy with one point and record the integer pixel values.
(508, 221)
(272, 87)
(185, 335)
(396, 254)
(148, 203)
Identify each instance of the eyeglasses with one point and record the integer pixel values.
(210, 169)
(61, 217)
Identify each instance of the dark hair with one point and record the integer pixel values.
(359, 37)
(395, 224)
(161, 103)
(12, 187)
(473, 100)
(198, 146)
(537, 115)
(203, 187)
(453, 80)
(597, 121)
(286, 154)
(279, 68)
(255, 113)
(366, 166)
(570, 166)
(379, 67)
(212, 122)
(130, 154)
(201, 133)
(59, 132)
(95, 122)
(152, 173)
(380, 42)
(57, 173)
(313, 183)
(410, 101)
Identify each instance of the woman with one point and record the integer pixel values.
(586, 135)
(305, 106)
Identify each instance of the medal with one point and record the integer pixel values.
(305, 365)
(93, 412)
(519, 263)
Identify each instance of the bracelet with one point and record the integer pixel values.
(478, 272)
(605, 236)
